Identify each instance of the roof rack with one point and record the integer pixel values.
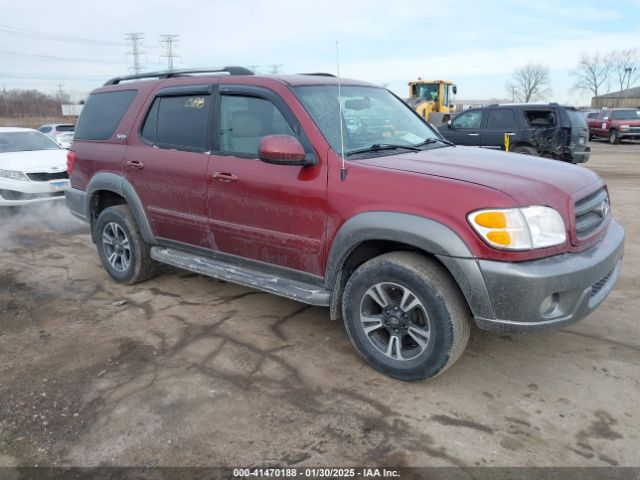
(179, 73)
(318, 74)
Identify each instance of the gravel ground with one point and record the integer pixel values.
(186, 370)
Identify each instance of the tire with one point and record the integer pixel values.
(590, 136)
(123, 252)
(524, 150)
(423, 335)
(613, 136)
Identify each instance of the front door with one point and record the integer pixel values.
(465, 128)
(167, 166)
(270, 213)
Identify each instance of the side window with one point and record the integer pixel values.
(179, 122)
(470, 119)
(500, 119)
(45, 129)
(245, 120)
(541, 118)
(102, 113)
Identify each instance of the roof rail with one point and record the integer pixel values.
(318, 74)
(179, 73)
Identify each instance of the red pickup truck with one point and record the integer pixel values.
(615, 124)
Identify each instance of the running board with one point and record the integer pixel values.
(249, 277)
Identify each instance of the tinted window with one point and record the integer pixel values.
(45, 129)
(179, 122)
(500, 119)
(626, 115)
(65, 128)
(470, 119)
(245, 120)
(577, 120)
(102, 114)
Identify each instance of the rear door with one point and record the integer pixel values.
(167, 164)
(500, 121)
(465, 128)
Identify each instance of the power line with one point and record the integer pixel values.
(51, 58)
(24, 32)
(169, 42)
(134, 39)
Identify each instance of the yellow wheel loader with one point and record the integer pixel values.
(432, 99)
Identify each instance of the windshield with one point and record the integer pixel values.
(25, 141)
(626, 115)
(371, 116)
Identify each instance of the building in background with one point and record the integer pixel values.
(623, 98)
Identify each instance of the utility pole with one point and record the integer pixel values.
(135, 39)
(275, 68)
(169, 42)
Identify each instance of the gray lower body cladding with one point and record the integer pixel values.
(546, 293)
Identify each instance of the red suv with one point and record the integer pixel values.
(261, 180)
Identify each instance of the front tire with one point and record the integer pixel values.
(406, 316)
(124, 254)
(613, 136)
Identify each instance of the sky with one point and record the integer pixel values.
(77, 45)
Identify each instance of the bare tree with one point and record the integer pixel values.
(592, 72)
(626, 66)
(529, 83)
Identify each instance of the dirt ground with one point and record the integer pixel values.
(186, 370)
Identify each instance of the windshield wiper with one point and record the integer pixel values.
(434, 140)
(376, 147)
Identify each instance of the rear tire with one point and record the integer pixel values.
(124, 254)
(406, 316)
(613, 136)
(525, 151)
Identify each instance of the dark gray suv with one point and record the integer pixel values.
(547, 130)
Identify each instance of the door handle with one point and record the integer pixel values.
(474, 134)
(135, 164)
(225, 177)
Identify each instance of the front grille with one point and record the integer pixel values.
(13, 195)
(591, 212)
(633, 130)
(596, 287)
(45, 177)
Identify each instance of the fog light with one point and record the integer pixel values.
(549, 304)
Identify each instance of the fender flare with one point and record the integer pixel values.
(422, 233)
(117, 184)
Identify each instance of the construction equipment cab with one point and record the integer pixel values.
(432, 99)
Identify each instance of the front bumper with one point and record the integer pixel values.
(15, 193)
(540, 294)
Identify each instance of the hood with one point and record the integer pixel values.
(35, 161)
(525, 178)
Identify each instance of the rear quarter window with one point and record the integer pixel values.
(102, 113)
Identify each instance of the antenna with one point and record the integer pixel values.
(343, 168)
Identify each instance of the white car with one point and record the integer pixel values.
(61, 132)
(33, 167)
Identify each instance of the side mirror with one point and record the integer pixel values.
(454, 89)
(282, 150)
(449, 124)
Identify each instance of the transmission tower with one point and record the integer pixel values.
(275, 68)
(169, 42)
(135, 40)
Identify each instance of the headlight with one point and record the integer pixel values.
(519, 228)
(13, 175)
